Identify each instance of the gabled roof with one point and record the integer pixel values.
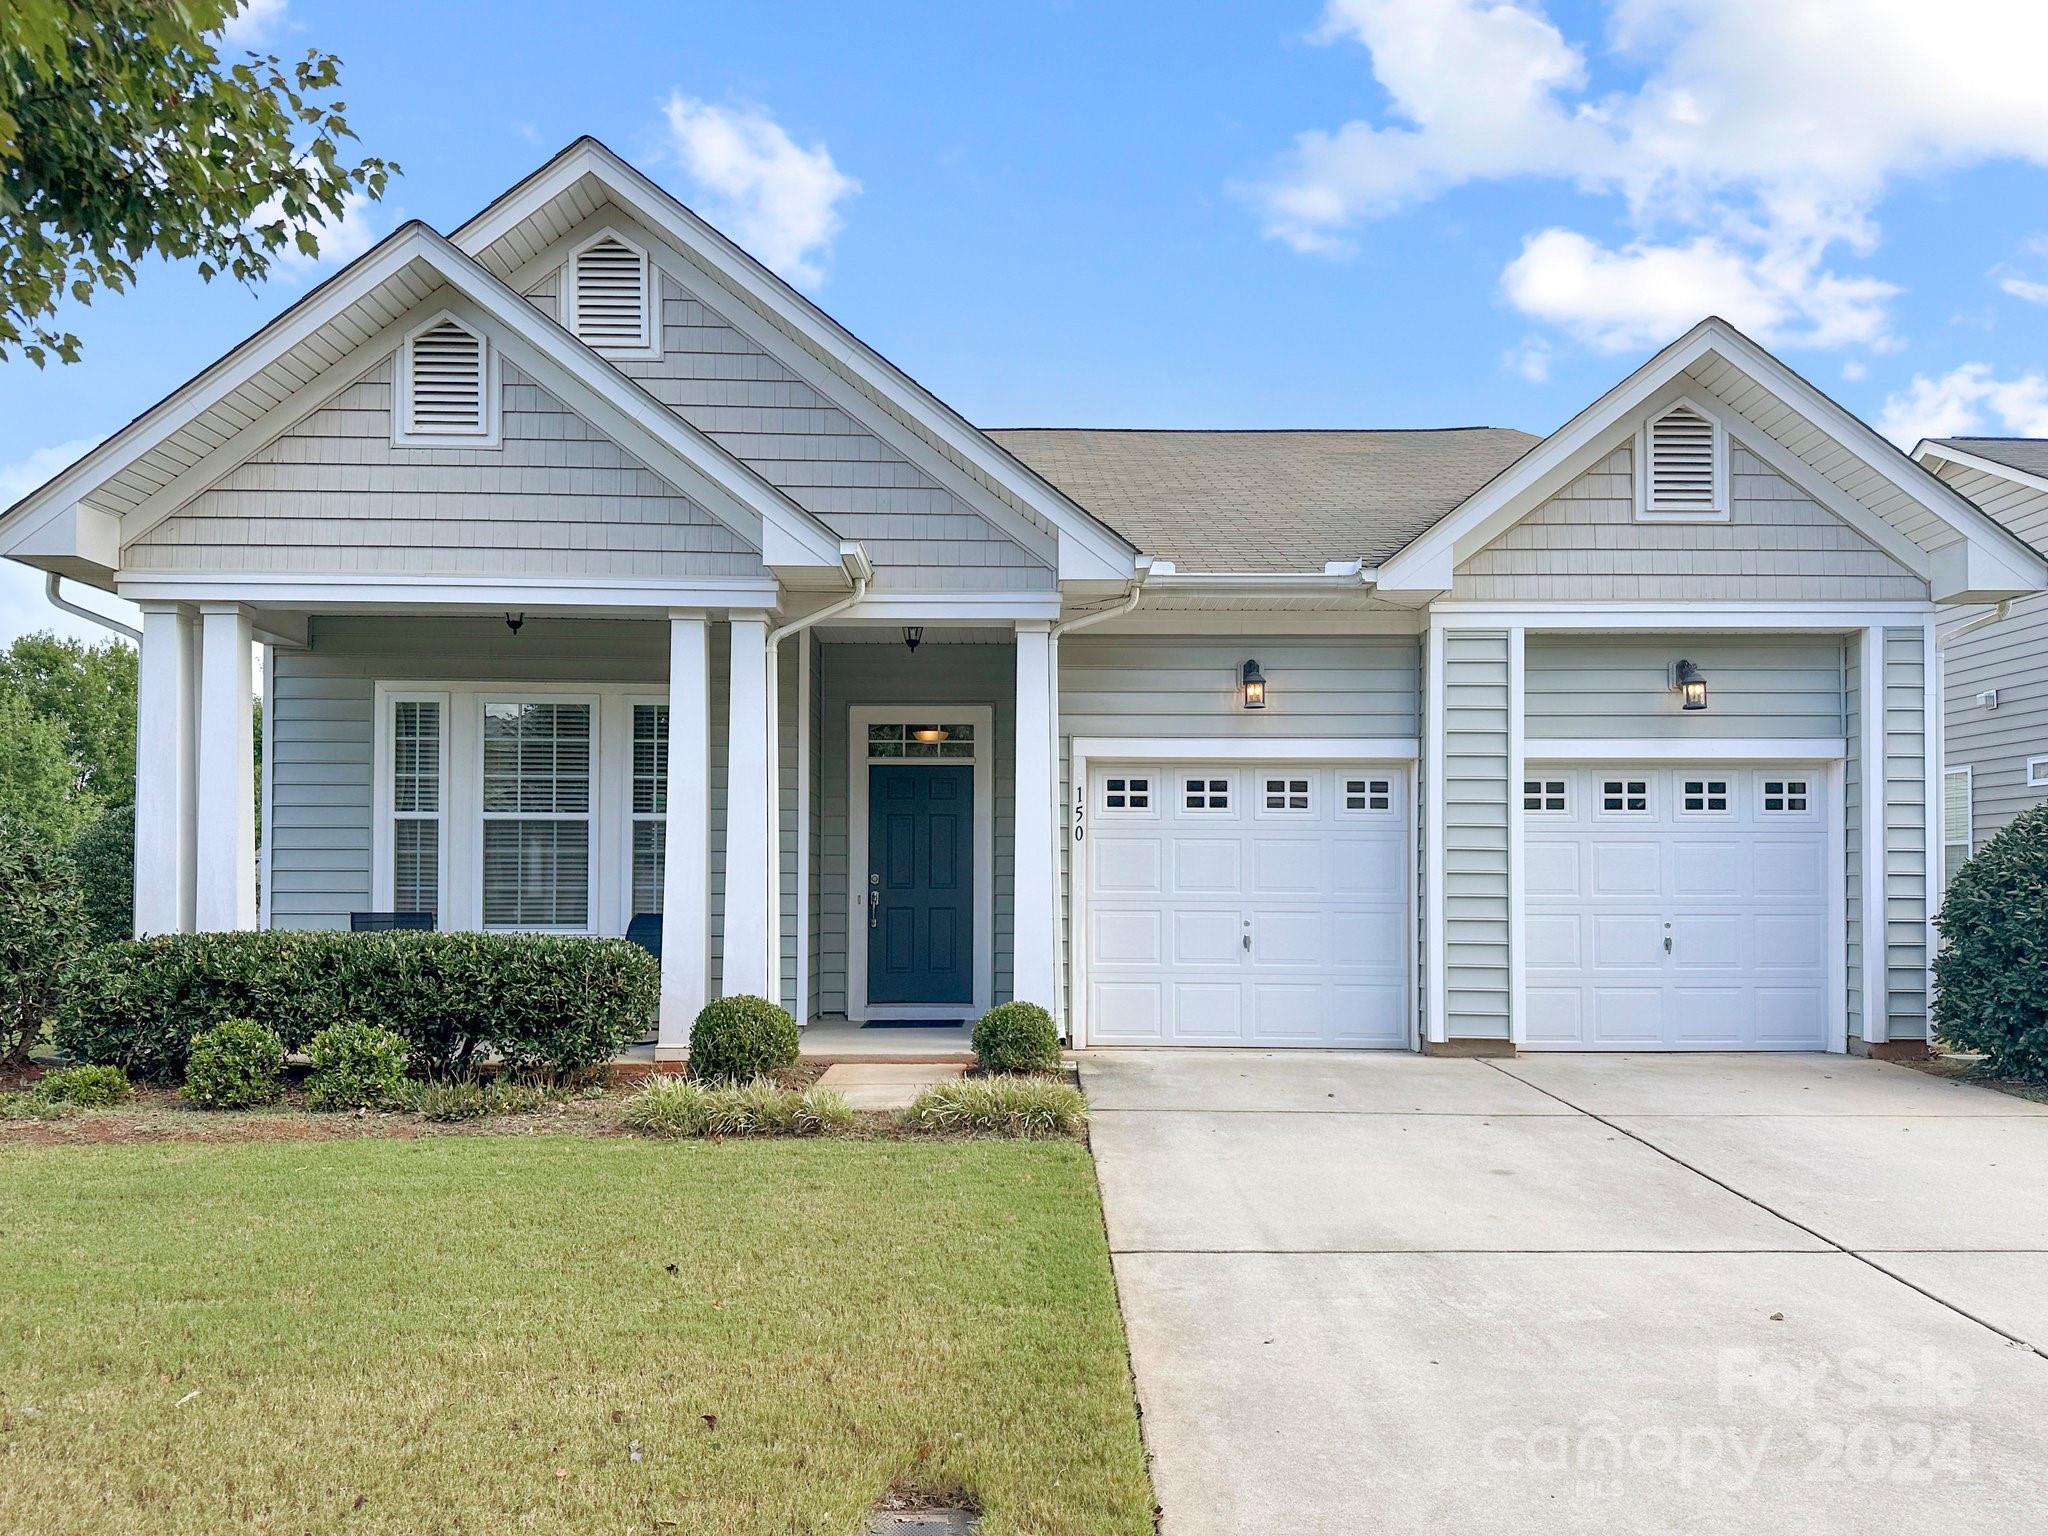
(574, 185)
(1267, 501)
(181, 445)
(1829, 453)
(2027, 455)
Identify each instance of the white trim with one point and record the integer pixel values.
(1237, 749)
(1837, 773)
(224, 863)
(383, 857)
(1931, 724)
(1757, 749)
(880, 608)
(266, 820)
(858, 864)
(407, 433)
(1649, 511)
(804, 727)
(1187, 752)
(1518, 764)
(1105, 553)
(1860, 518)
(1688, 616)
(648, 347)
(750, 813)
(686, 871)
(2037, 772)
(619, 743)
(1437, 1006)
(1933, 448)
(455, 594)
(1875, 799)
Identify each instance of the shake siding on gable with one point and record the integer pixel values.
(1585, 544)
(334, 495)
(915, 530)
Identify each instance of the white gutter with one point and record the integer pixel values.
(57, 599)
(1982, 621)
(857, 565)
(1052, 656)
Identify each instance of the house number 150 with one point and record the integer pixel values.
(1080, 812)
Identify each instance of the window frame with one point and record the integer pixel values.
(1599, 784)
(1387, 788)
(1208, 778)
(1543, 782)
(630, 704)
(1311, 782)
(404, 434)
(1787, 777)
(481, 703)
(2037, 773)
(1969, 839)
(384, 760)
(1127, 811)
(1679, 794)
(1647, 511)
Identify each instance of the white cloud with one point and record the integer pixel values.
(254, 24)
(1529, 360)
(775, 197)
(23, 608)
(1965, 402)
(1755, 143)
(2025, 288)
(341, 241)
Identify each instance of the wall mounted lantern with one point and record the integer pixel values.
(1692, 683)
(1254, 686)
(913, 637)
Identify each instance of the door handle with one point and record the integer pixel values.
(875, 910)
(1667, 943)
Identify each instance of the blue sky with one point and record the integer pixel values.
(1370, 213)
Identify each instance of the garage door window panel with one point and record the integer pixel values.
(1288, 796)
(1626, 796)
(1367, 797)
(1705, 797)
(1127, 795)
(1206, 794)
(1546, 797)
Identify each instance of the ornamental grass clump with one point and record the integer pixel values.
(1000, 1106)
(681, 1106)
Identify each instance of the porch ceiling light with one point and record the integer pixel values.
(1691, 683)
(1254, 686)
(930, 733)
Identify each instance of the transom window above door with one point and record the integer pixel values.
(932, 740)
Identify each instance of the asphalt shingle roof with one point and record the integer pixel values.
(1267, 501)
(2028, 455)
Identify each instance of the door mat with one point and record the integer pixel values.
(912, 1024)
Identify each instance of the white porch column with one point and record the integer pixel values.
(747, 846)
(224, 880)
(165, 736)
(1035, 976)
(686, 847)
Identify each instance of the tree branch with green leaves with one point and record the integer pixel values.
(125, 133)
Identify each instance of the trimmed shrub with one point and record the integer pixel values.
(104, 856)
(87, 1087)
(1991, 975)
(737, 1039)
(1016, 1037)
(554, 1008)
(355, 1066)
(681, 1106)
(237, 1064)
(42, 925)
(1001, 1106)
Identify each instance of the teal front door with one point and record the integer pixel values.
(920, 902)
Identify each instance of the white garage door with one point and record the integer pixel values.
(1247, 905)
(1677, 908)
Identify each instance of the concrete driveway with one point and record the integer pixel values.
(1388, 1293)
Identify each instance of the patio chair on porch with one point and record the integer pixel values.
(645, 930)
(391, 922)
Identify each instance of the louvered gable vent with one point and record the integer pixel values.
(608, 295)
(445, 382)
(1683, 473)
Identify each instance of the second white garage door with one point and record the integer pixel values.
(1253, 905)
(1680, 908)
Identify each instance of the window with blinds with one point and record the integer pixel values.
(416, 756)
(445, 371)
(609, 296)
(1958, 833)
(536, 814)
(1684, 474)
(650, 805)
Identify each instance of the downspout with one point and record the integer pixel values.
(862, 574)
(51, 585)
(1059, 833)
(1982, 621)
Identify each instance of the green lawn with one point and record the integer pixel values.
(469, 1334)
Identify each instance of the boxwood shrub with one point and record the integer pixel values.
(555, 1008)
(737, 1039)
(1016, 1037)
(237, 1064)
(355, 1066)
(1991, 976)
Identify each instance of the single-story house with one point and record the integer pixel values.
(1995, 659)
(599, 574)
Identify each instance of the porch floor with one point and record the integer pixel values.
(832, 1040)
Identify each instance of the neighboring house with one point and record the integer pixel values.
(599, 574)
(1994, 660)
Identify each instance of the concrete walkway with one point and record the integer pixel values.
(1387, 1293)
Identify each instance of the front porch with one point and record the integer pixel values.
(875, 853)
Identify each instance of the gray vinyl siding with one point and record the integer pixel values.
(1318, 688)
(1852, 820)
(334, 495)
(1590, 686)
(884, 673)
(1475, 815)
(805, 442)
(1585, 544)
(320, 729)
(1424, 908)
(1905, 870)
(2010, 656)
